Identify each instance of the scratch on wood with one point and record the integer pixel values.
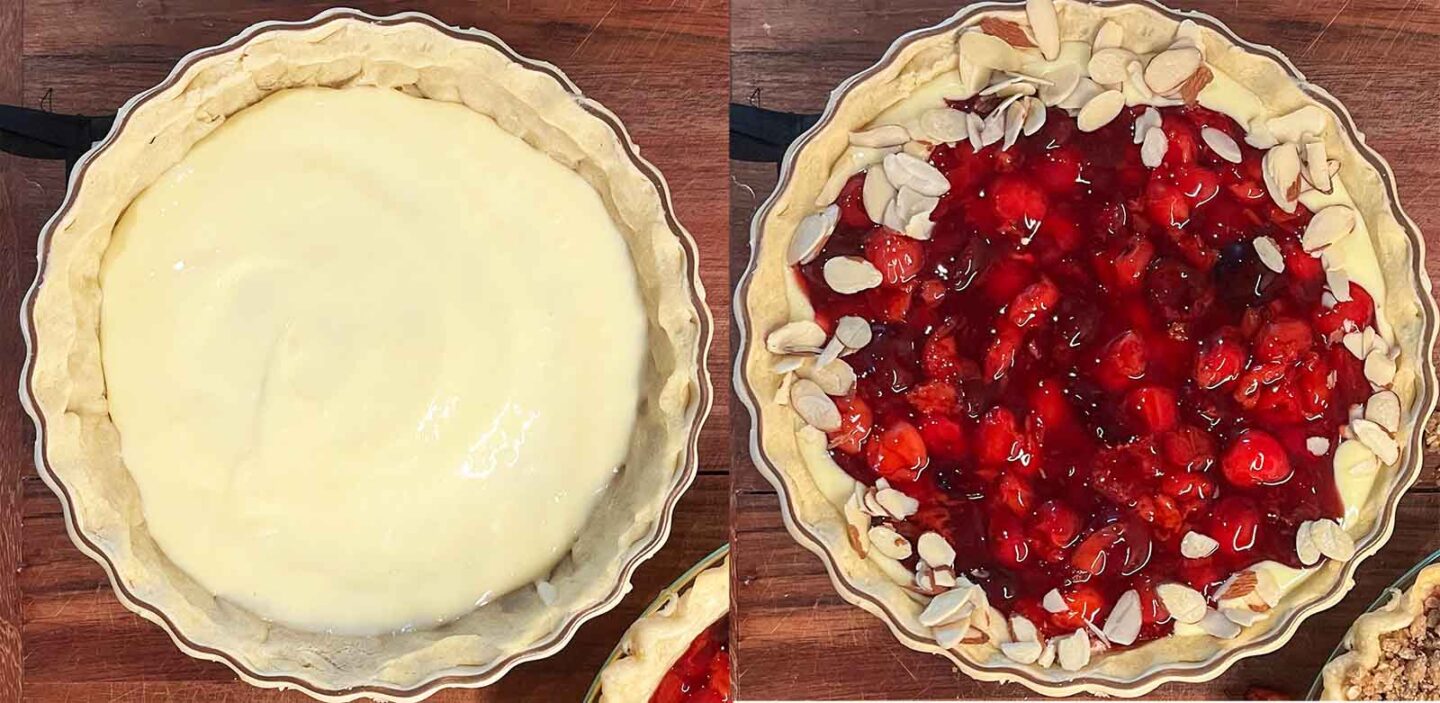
(591, 33)
(1324, 29)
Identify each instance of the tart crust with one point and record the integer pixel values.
(1364, 640)
(79, 452)
(655, 642)
(815, 489)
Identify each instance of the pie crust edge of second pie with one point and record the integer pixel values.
(766, 306)
(79, 456)
(1363, 638)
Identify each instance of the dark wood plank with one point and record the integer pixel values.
(795, 638)
(661, 66)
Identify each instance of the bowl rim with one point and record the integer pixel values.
(637, 553)
(1157, 674)
(682, 582)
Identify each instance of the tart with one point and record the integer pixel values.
(304, 384)
(1089, 347)
(1394, 651)
(679, 651)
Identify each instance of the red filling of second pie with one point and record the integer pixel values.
(1088, 360)
(702, 673)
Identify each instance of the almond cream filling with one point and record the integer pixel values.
(372, 359)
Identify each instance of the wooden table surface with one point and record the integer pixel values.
(796, 639)
(659, 64)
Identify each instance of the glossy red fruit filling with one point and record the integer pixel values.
(1087, 361)
(702, 673)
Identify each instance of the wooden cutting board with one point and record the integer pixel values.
(661, 66)
(795, 637)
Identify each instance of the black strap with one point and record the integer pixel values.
(757, 134)
(38, 134)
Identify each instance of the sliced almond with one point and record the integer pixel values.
(547, 592)
(1023, 630)
(1100, 110)
(1317, 445)
(847, 275)
(1149, 119)
(814, 406)
(1379, 368)
(1153, 147)
(1354, 343)
(1011, 32)
(952, 635)
(1015, 116)
(1244, 617)
(857, 524)
(1269, 254)
(881, 137)
(1383, 409)
(935, 550)
(1110, 35)
(1376, 439)
(811, 235)
(1169, 69)
(1216, 624)
(1035, 114)
(1073, 650)
(992, 130)
(1135, 83)
(1197, 546)
(1014, 85)
(951, 606)
(1222, 144)
(1054, 602)
(854, 332)
(1045, 24)
(918, 148)
(889, 542)
(944, 577)
(801, 336)
(1328, 226)
(1085, 91)
(1192, 87)
(1123, 624)
(787, 364)
(876, 193)
(1305, 548)
(835, 378)
(1281, 167)
(1339, 284)
(1062, 79)
(943, 125)
(1185, 604)
(896, 505)
(1108, 66)
(1187, 34)
(1294, 126)
(1332, 540)
(1317, 167)
(853, 161)
(988, 51)
(974, 125)
(1354, 458)
(1025, 652)
(1238, 586)
(1047, 655)
(905, 170)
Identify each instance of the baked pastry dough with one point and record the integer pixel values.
(1393, 652)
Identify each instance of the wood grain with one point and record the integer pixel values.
(661, 65)
(795, 638)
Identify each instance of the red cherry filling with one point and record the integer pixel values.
(1088, 360)
(702, 673)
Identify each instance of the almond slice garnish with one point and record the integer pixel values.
(881, 137)
(1045, 23)
(1355, 343)
(1013, 85)
(1376, 439)
(1317, 445)
(1011, 32)
(992, 129)
(1015, 116)
(1085, 91)
(1035, 113)
(1222, 144)
(944, 577)
(857, 524)
(811, 234)
(1022, 629)
(1305, 548)
(854, 332)
(1147, 120)
(1187, 34)
(896, 505)
(951, 606)
(1216, 624)
(1317, 167)
(1047, 655)
(1379, 368)
(906, 170)
(1191, 88)
(1110, 36)
(974, 125)
(1197, 546)
(1185, 604)
(851, 274)
(547, 592)
(876, 193)
(1383, 409)
(1269, 254)
(985, 50)
(1153, 147)
(853, 161)
(1054, 602)
(1244, 617)
(814, 406)
(1062, 78)
(935, 550)
(943, 125)
(1328, 226)
(1332, 540)
(1123, 624)
(1108, 66)
(787, 364)
(1073, 650)
(1238, 586)
(1353, 457)
(1294, 126)
(1339, 284)
(889, 542)
(832, 351)
(1024, 652)
(1281, 167)
(835, 377)
(1100, 110)
(801, 336)
(1169, 69)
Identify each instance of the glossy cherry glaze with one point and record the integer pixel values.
(702, 673)
(1088, 360)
